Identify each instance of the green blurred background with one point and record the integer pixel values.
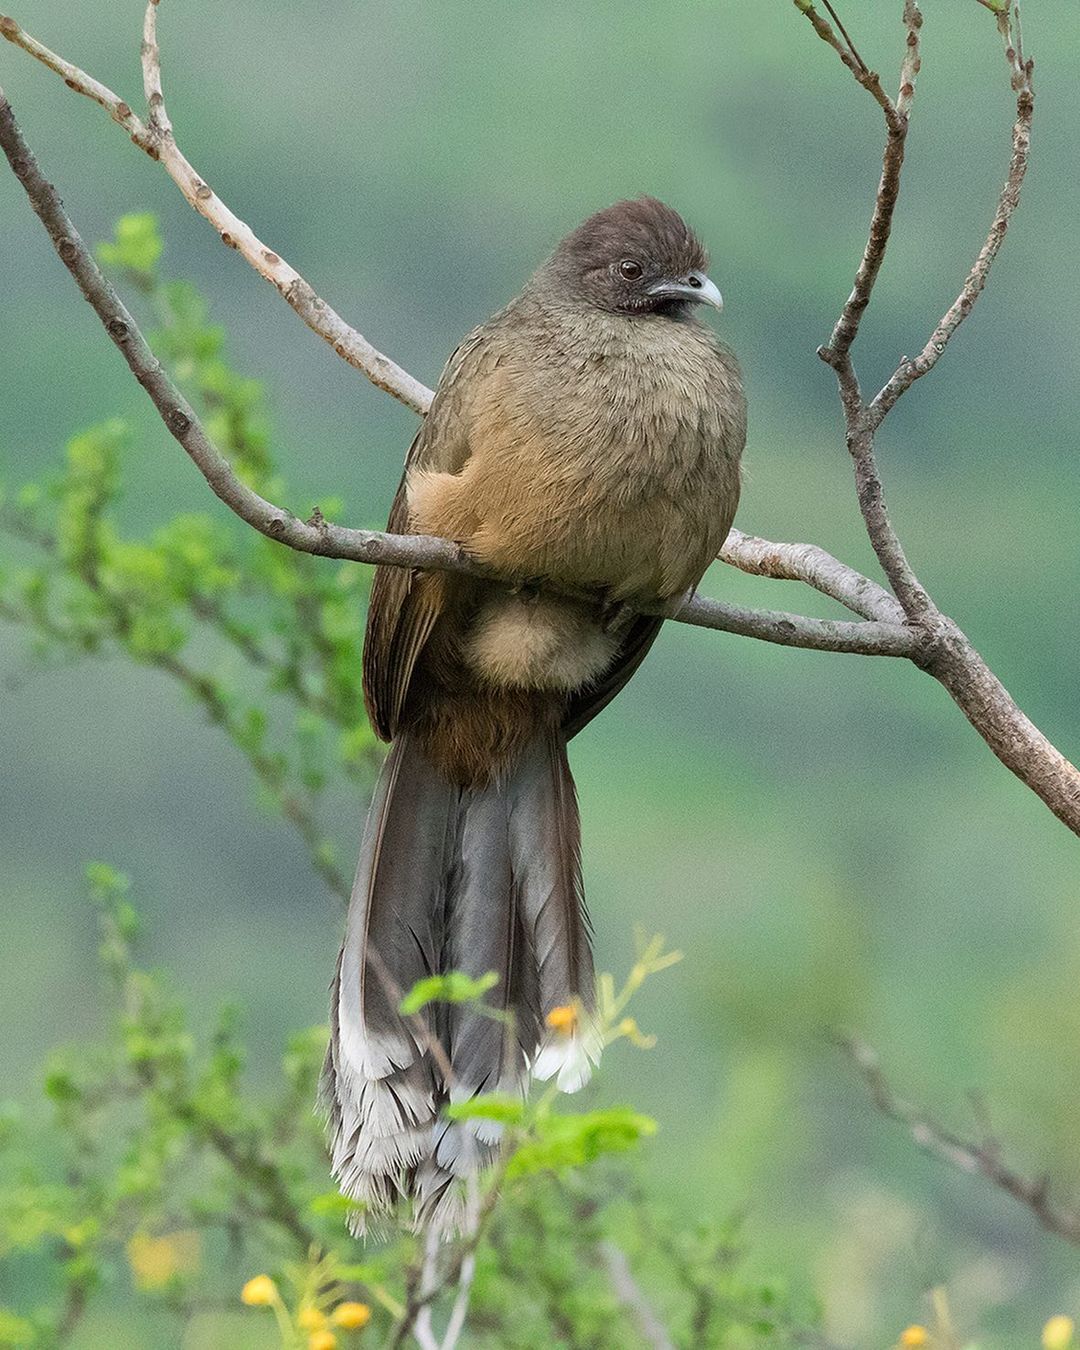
(823, 835)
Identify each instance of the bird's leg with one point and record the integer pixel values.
(529, 589)
(618, 611)
(674, 604)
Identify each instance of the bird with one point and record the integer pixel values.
(585, 444)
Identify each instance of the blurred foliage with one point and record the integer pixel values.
(165, 1172)
(291, 699)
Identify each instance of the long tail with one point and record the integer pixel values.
(470, 879)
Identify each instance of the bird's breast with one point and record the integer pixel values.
(620, 452)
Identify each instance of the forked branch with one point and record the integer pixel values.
(982, 1156)
(325, 539)
(158, 141)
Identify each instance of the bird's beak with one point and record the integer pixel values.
(695, 287)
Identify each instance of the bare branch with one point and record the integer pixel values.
(456, 1322)
(979, 1157)
(82, 83)
(896, 123)
(926, 637)
(1005, 728)
(810, 564)
(629, 1293)
(909, 371)
(159, 143)
(870, 81)
(324, 539)
(151, 65)
(870, 492)
(952, 660)
(912, 62)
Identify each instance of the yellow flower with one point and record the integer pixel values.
(259, 1292)
(322, 1340)
(914, 1336)
(351, 1316)
(1058, 1333)
(155, 1260)
(310, 1318)
(563, 1019)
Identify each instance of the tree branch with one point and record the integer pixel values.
(979, 1157)
(870, 81)
(896, 123)
(810, 564)
(953, 661)
(157, 140)
(908, 372)
(325, 539)
(914, 628)
(630, 1295)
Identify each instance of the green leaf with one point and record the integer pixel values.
(489, 1106)
(136, 244)
(333, 1203)
(453, 987)
(563, 1142)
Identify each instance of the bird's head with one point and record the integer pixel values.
(636, 257)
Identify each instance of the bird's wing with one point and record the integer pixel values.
(583, 706)
(404, 603)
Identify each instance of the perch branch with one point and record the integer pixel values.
(926, 636)
(812, 565)
(324, 539)
(979, 1157)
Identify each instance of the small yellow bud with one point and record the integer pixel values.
(914, 1336)
(322, 1340)
(563, 1019)
(351, 1316)
(310, 1318)
(259, 1292)
(1058, 1333)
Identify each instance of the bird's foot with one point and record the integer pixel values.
(529, 589)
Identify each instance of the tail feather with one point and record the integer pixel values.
(471, 879)
(545, 847)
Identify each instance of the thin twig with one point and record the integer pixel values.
(419, 1298)
(982, 1157)
(456, 1323)
(844, 34)
(159, 143)
(423, 1331)
(151, 65)
(869, 80)
(896, 124)
(630, 1295)
(907, 372)
(912, 63)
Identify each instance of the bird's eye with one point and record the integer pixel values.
(629, 269)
